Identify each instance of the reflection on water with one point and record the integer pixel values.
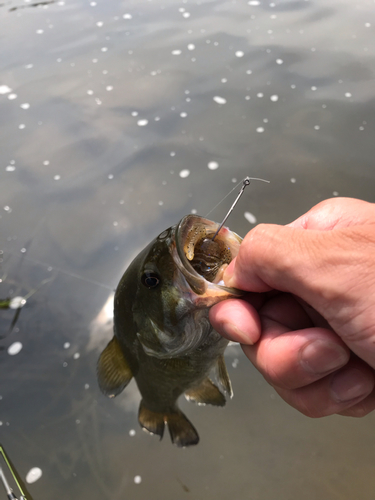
(118, 118)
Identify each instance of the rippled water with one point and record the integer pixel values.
(116, 119)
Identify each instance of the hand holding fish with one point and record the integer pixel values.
(310, 328)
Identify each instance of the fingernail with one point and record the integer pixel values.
(236, 334)
(321, 357)
(228, 275)
(350, 384)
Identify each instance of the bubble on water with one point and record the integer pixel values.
(239, 53)
(132, 432)
(86, 386)
(104, 49)
(12, 96)
(186, 14)
(134, 113)
(90, 92)
(335, 193)
(219, 100)
(254, 3)
(274, 98)
(76, 355)
(193, 211)
(183, 114)
(142, 123)
(250, 217)
(172, 153)
(260, 130)
(33, 475)
(249, 72)
(184, 173)
(4, 89)
(279, 61)
(213, 165)
(14, 348)
(110, 176)
(348, 94)
(39, 32)
(176, 52)
(25, 105)
(137, 479)
(316, 127)
(7, 208)
(57, 177)
(66, 345)
(46, 162)
(235, 362)
(17, 302)
(99, 24)
(10, 168)
(191, 46)
(260, 95)
(127, 16)
(21, 126)
(23, 250)
(368, 25)
(293, 180)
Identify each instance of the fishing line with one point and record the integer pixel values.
(231, 191)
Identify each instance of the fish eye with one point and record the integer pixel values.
(150, 279)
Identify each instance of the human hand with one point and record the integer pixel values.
(310, 328)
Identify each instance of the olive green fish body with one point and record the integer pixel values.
(162, 335)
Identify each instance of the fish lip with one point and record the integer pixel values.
(197, 282)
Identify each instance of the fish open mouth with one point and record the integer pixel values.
(201, 256)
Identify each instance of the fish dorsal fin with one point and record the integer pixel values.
(181, 430)
(113, 370)
(206, 393)
(152, 421)
(223, 377)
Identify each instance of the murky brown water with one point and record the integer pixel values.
(116, 119)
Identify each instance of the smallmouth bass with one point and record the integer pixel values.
(162, 335)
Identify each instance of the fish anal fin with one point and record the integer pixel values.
(150, 420)
(113, 371)
(223, 377)
(206, 393)
(181, 430)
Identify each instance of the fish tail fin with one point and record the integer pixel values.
(150, 420)
(181, 430)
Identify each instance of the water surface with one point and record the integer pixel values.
(116, 119)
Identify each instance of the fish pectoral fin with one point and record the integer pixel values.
(181, 430)
(150, 420)
(206, 393)
(223, 377)
(113, 371)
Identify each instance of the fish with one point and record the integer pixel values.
(162, 335)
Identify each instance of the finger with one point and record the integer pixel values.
(348, 388)
(236, 320)
(294, 359)
(362, 408)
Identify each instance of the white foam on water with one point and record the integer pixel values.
(239, 53)
(254, 3)
(132, 432)
(279, 61)
(293, 180)
(127, 16)
(348, 94)
(184, 173)
(213, 165)
(186, 15)
(17, 302)
(4, 89)
(219, 100)
(183, 114)
(12, 96)
(142, 123)
(76, 355)
(137, 479)
(191, 46)
(14, 348)
(176, 52)
(274, 98)
(10, 168)
(33, 475)
(250, 217)
(260, 130)
(57, 177)
(66, 345)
